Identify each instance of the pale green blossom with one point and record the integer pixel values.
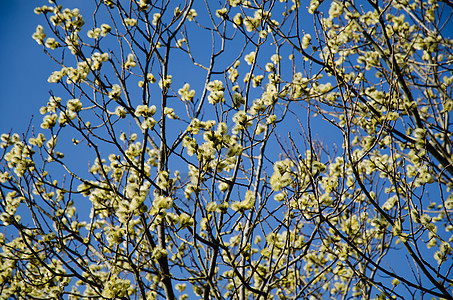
(185, 93)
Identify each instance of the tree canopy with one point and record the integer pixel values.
(235, 149)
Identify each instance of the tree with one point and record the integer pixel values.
(210, 131)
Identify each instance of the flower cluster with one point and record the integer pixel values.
(147, 112)
(185, 93)
(73, 106)
(19, 156)
(216, 88)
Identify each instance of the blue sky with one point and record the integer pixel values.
(23, 80)
(25, 68)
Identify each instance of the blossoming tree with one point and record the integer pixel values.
(234, 150)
